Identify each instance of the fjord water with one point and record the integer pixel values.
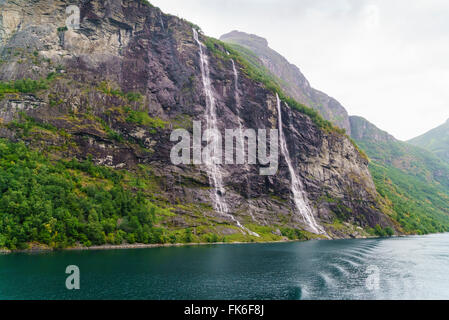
(408, 268)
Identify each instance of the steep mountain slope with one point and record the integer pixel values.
(414, 180)
(293, 82)
(436, 140)
(87, 116)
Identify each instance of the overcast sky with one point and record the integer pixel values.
(387, 61)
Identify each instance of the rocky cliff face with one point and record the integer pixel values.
(293, 81)
(115, 89)
(363, 130)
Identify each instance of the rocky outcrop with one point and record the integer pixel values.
(362, 129)
(120, 84)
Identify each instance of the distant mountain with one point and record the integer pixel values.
(414, 181)
(361, 130)
(436, 140)
(293, 82)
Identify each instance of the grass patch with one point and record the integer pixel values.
(142, 118)
(23, 86)
(110, 90)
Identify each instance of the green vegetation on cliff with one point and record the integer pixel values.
(64, 202)
(418, 206)
(436, 141)
(23, 86)
(414, 182)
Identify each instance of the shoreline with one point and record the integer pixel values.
(39, 248)
(169, 245)
(43, 249)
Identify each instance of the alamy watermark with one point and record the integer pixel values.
(73, 280)
(73, 20)
(190, 151)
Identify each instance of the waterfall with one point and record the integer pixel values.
(297, 188)
(213, 170)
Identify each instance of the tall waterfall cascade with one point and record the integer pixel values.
(297, 188)
(213, 170)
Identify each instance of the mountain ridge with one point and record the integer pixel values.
(294, 82)
(435, 140)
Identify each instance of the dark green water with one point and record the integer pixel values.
(399, 268)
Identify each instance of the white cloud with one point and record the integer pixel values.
(384, 60)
